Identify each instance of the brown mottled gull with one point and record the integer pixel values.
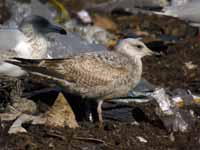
(101, 76)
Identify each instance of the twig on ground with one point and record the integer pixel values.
(56, 135)
(94, 140)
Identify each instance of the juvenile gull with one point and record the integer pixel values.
(29, 41)
(100, 76)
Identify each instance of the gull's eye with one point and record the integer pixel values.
(139, 46)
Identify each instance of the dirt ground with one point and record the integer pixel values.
(169, 70)
(113, 136)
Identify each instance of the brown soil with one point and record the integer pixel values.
(113, 136)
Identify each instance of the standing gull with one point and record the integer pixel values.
(96, 75)
(29, 41)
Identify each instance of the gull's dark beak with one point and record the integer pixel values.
(150, 52)
(156, 53)
(57, 29)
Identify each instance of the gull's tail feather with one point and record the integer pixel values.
(26, 61)
(32, 66)
(31, 61)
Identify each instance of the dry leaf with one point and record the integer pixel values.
(61, 114)
(105, 23)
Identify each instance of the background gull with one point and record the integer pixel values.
(20, 10)
(179, 2)
(101, 76)
(188, 10)
(28, 41)
(128, 5)
(61, 45)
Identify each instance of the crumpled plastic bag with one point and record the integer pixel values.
(174, 118)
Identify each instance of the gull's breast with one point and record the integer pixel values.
(39, 48)
(34, 47)
(23, 50)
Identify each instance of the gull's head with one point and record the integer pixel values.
(40, 25)
(133, 48)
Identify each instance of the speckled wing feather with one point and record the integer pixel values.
(86, 70)
(103, 75)
(90, 70)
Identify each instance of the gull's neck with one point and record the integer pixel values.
(34, 47)
(135, 67)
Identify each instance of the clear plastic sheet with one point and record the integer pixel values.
(174, 118)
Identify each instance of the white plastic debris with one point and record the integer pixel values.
(178, 100)
(163, 101)
(92, 34)
(173, 118)
(97, 35)
(141, 139)
(184, 97)
(130, 100)
(90, 117)
(196, 99)
(189, 65)
(179, 123)
(135, 123)
(17, 125)
(84, 17)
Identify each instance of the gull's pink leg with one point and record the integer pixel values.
(99, 111)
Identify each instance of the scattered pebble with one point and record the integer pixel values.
(135, 123)
(189, 65)
(171, 137)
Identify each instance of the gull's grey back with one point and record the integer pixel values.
(71, 45)
(10, 37)
(8, 41)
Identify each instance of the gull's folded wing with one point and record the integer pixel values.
(84, 70)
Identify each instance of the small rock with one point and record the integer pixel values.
(26, 106)
(9, 116)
